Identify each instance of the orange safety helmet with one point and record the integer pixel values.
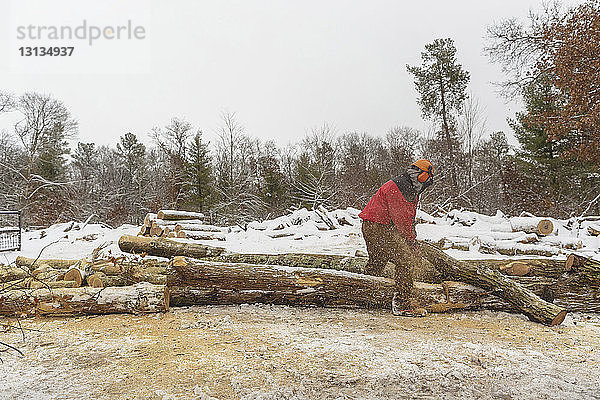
(426, 167)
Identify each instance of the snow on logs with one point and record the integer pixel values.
(162, 247)
(175, 215)
(140, 298)
(539, 226)
(180, 224)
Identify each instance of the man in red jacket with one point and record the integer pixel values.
(389, 231)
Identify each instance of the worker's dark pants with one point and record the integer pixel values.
(385, 243)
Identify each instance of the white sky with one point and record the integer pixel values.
(284, 67)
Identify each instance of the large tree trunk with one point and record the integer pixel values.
(425, 273)
(282, 285)
(204, 282)
(525, 300)
(167, 248)
(141, 298)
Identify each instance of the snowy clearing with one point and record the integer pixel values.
(277, 352)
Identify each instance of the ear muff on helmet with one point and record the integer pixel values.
(423, 177)
(427, 170)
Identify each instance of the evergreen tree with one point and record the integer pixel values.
(442, 83)
(199, 175)
(131, 154)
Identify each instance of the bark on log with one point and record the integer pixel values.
(197, 235)
(178, 215)
(202, 282)
(140, 298)
(533, 267)
(59, 264)
(282, 285)
(587, 268)
(8, 274)
(167, 248)
(525, 300)
(425, 273)
(33, 283)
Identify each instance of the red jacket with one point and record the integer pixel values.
(392, 205)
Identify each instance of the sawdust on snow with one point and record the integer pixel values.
(278, 352)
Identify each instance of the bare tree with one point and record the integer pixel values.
(518, 46)
(472, 125)
(173, 140)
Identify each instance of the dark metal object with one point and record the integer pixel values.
(10, 230)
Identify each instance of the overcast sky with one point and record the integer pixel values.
(283, 67)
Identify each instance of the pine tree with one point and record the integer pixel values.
(199, 187)
(442, 83)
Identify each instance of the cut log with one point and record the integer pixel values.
(178, 215)
(167, 248)
(8, 274)
(75, 274)
(179, 226)
(181, 234)
(156, 231)
(588, 268)
(549, 268)
(140, 298)
(283, 285)
(101, 280)
(148, 219)
(202, 282)
(37, 284)
(58, 264)
(33, 283)
(535, 308)
(47, 273)
(536, 225)
(203, 236)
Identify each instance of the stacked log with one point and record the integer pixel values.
(180, 224)
(140, 298)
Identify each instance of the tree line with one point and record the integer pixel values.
(552, 61)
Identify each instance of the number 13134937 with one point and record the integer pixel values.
(46, 51)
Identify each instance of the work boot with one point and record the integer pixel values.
(402, 308)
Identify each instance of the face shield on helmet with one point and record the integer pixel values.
(425, 177)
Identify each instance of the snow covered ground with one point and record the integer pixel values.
(276, 352)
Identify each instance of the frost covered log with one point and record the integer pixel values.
(535, 308)
(167, 248)
(140, 298)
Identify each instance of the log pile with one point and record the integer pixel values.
(180, 224)
(73, 287)
(198, 274)
(526, 235)
(194, 273)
